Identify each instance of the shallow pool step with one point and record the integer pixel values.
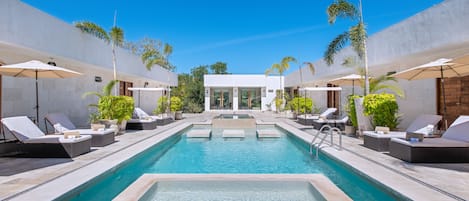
(268, 133)
(200, 133)
(235, 133)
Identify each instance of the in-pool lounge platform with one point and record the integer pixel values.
(214, 186)
(233, 133)
(267, 133)
(201, 133)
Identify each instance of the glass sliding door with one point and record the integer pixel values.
(249, 98)
(221, 99)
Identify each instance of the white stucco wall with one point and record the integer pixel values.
(27, 33)
(438, 32)
(229, 81)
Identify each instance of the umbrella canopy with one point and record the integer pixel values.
(347, 80)
(441, 68)
(36, 69)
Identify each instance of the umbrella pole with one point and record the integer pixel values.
(444, 97)
(37, 102)
(353, 87)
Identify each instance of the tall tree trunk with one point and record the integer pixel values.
(114, 66)
(365, 55)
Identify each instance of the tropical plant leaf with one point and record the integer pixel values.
(107, 90)
(86, 94)
(310, 67)
(93, 29)
(342, 9)
(117, 36)
(335, 46)
(357, 36)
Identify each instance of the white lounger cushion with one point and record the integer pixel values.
(432, 142)
(141, 120)
(459, 129)
(22, 127)
(92, 132)
(391, 134)
(56, 139)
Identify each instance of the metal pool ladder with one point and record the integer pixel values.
(329, 132)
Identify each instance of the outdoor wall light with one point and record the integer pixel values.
(98, 79)
(145, 84)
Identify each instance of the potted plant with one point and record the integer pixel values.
(301, 105)
(116, 109)
(94, 121)
(382, 108)
(162, 106)
(352, 124)
(176, 107)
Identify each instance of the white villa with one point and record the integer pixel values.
(35, 35)
(241, 92)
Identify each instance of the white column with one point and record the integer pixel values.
(207, 99)
(235, 99)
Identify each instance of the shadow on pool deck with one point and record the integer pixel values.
(12, 166)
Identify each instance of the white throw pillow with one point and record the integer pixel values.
(59, 128)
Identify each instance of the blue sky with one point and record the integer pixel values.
(249, 35)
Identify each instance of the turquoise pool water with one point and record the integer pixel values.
(179, 154)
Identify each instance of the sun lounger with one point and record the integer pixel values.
(61, 122)
(32, 142)
(308, 119)
(380, 141)
(142, 121)
(452, 147)
(339, 123)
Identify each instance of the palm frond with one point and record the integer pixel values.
(268, 71)
(310, 66)
(357, 38)
(117, 36)
(86, 94)
(168, 49)
(285, 64)
(335, 46)
(93, 29)
(342, 9)
(107, 90)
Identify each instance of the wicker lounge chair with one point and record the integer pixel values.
(32, 142)
(141, 121)
(308, 119)
(339, 123)
(380, 142)
(452, 147)
(99, 138)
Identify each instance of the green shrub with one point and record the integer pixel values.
(350, 108)
(162, 105)
(278, 104)
(301, 104)
(176, 104)
(116, 107)
(383, 109)
(193, 107)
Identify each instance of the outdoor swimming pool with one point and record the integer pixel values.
(179, 154)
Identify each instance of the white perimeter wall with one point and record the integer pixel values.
(27, 33)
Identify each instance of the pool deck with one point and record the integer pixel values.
(44, 179)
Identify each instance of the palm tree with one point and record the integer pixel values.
(356, 35)
(312, 70)
(381, 83)
(115, 37)
(280, 68)
(152, 55)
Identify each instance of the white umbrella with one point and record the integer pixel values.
(347, 80)
(441, 68)
(36, 69)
